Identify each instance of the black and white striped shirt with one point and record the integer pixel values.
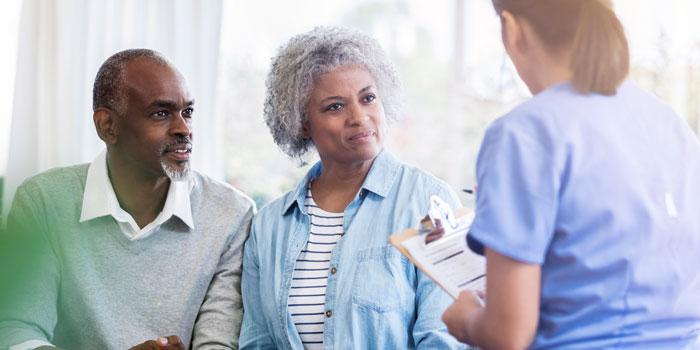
(308, 291)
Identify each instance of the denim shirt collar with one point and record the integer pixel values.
(380, 178)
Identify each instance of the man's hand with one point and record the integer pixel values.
(171, 342)
(458, 315)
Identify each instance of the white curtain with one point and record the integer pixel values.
(62, 44)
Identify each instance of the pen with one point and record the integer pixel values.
(476, 278)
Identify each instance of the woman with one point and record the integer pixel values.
(318, 270)
(588, 205)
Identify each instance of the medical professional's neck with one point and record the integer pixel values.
(549, 72)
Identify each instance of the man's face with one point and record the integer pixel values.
(155, 132)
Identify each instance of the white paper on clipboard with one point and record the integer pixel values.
(447, 260)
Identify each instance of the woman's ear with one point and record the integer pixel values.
(305, 132)
(513, 34)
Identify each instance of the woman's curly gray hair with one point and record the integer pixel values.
(306, 57)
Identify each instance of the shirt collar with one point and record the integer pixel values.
(380, 178)
(100, 200)
(382, 175)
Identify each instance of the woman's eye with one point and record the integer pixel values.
(334, 107)
(369, 98)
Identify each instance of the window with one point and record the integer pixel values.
(456, 76)
(9, 29)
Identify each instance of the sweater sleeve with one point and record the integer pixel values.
(219, 320)
(29, 273)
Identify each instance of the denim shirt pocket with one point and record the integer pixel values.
(380, 283)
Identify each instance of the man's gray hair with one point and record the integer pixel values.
(306, 57)
(108, 91)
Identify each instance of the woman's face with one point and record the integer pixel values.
(345, 116)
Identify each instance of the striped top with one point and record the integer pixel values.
(307, 295)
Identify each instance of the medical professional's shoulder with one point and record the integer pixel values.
(644, 100)
(535, 122)
(523, 126)
(544, 107)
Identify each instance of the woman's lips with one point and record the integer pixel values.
(362, 136)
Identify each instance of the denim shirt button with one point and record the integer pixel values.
(333, 270)
(329, 313)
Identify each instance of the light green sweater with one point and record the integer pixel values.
(86, 286)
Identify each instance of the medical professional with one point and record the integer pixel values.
(588, 205)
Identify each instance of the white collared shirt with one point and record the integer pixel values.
(100, 200)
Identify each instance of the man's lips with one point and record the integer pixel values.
(179, 152)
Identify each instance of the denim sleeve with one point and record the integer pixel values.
(448, 195)
(429, 332)
(254, 332)
(29, 276)
(219, 319)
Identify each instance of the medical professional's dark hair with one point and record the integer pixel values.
(588, 29)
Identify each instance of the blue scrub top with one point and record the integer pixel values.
(604, 193)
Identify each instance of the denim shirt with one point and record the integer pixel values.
(376, 299)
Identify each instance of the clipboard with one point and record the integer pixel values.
(452, 243)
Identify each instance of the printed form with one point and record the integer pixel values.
(449, 261)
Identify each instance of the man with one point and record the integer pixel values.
(134, 249)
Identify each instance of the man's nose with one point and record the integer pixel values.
(181, 126)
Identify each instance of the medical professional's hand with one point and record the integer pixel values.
(171, 342)
(457, 316)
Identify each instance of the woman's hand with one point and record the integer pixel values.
(458, 315)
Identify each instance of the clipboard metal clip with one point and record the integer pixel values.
(440, 221)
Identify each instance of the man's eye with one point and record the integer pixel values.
(160, 114)
(188, 112)
(334, 107)
(369, 98)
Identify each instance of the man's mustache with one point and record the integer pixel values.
(179, 142)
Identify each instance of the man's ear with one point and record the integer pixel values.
(106, 125)
(512, 33)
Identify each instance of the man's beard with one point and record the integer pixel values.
(179, 174)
